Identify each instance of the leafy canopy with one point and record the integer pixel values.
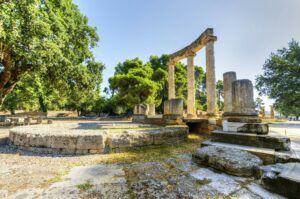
(281, 79)
(48, 37)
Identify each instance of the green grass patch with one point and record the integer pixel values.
(158, 153)
(57, 178)
(85, 186)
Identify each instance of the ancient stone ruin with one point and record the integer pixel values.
(207, 40)
(244, 143)
(173, 107)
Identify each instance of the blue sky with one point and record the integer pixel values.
(247, 31)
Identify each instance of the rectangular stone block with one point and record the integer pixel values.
(2, 118)
(90, 142)
(61, 142)
(151, 109)
(173, 107)
(263, 141)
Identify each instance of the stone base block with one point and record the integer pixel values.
(283, 179)
(172, 119)
(241, 117)
(173, 107)
(255, 128)
(144, 109)
(247, 139)
(138, 118)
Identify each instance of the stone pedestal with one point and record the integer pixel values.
(173, 107)
(141, 111)
(228, 79)
(144, 109)
(243, 117)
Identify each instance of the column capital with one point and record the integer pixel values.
(171, 62)
(190, 54)
(211, 39)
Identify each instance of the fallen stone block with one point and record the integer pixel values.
(229, 160)
(283, 179)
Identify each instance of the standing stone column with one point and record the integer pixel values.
(242, 97)
(171, 80)
(228, 78)
(210, 79)
(263, 112)
(191, 110)
(272, 113)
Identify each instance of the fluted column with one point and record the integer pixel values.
(191, 110)
(210, 78)
(171, 81)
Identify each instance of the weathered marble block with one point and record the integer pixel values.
(173, 107)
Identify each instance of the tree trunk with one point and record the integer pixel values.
(43, 106)
(7, 78)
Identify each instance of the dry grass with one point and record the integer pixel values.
(150, 154)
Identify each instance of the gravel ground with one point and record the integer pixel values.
(24, 171)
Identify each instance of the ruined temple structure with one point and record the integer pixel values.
(173, 107)
(206, 39)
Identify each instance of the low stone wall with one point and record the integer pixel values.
(49, 138)
(131, 139)
(65, 141)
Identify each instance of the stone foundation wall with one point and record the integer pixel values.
(91, 141)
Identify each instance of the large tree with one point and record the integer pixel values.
(47, 36)
(137, 82)
(132, 84)
(281, 79)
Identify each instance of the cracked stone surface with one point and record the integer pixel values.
(229, 160)
(177, 177)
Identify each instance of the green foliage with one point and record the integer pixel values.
(220, 94)
(259, 103)
(85, 186)
(137, 82)
(200, 88)
(47, 57)
(132, 84)
(51, 39)
(280, 80)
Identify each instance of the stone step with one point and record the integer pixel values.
(269, 156)
(279, 143)
(283, 179)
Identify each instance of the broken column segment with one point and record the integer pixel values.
(228, 78)
(242, 97)
(243, 118)
(140, 112)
